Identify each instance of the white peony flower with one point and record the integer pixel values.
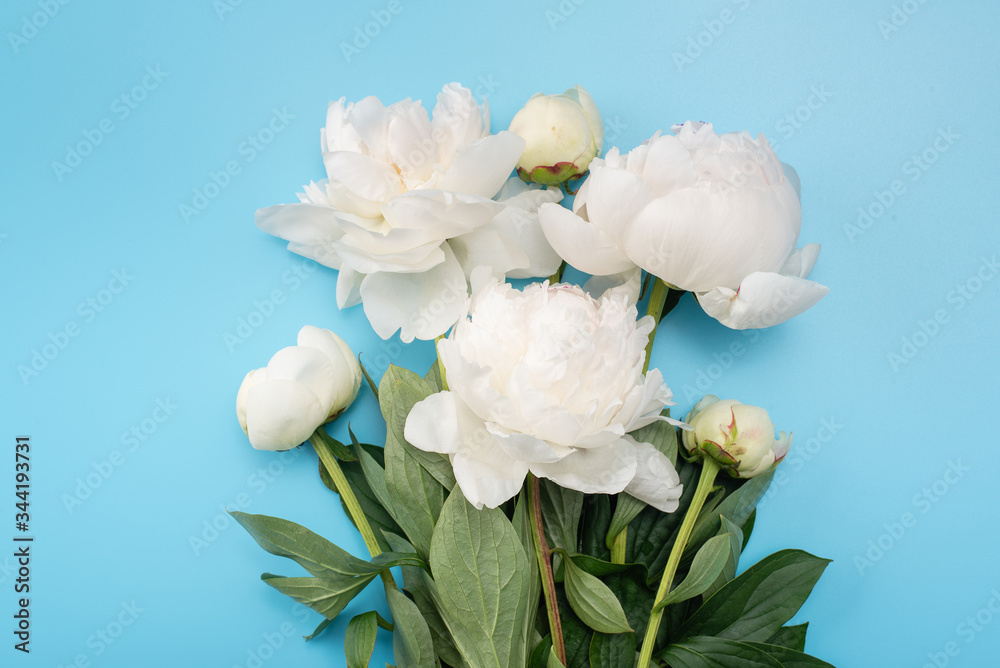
(563, 133)
(407, 210)
(716, 215)
(548, 380)
(302, 387)
(739, 437)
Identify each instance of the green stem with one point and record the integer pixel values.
(332, 467)
(544, 557)
(557, 277)
(441, 372)
(709, 469)
(657, 299)
(656, 302)
(618, 547)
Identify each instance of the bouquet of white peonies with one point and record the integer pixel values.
(534, 503)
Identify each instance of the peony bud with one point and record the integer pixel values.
(302, 387)
(563, 134)
(737, 436)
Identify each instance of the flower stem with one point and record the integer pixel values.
(708, 472)
(347, 495)
(441, 372)
(544, 557)
(557, 277)
(657, 300)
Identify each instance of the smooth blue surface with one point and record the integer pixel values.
(870, 433)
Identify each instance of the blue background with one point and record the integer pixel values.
(872, 431)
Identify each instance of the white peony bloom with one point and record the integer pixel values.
(739, 437)
(547, 380)
(718, 215)
(407, 210)
(302, 387)
(563, 133)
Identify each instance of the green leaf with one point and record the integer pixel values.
(792, 637)
(417, 496)
(313, 552)
(561, 510)
(613, 651)
(524, 526)
(755, 605)
(340, 451)
(577, 636)
(594, 525)
(738, 507)
(368, 378)
(319, 628)
(411, 637)
(553, 661)
(327, 596)
(599, 567)
(630, 586)
(593, 602)
(790, 658)
(708, 564)
(651, 535)
(661, 435)
(627, 509)
(421, 587)
(748, 526)
(540, 655)
(729, 569)
(483, 582)
(433, 377)
(708, 652)
(359, 639)
(407, 388)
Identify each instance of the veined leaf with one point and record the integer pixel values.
(483, 581)
(359, 639)
(327, 596)
(709, 652)
(790, 658)
(792, 637)
(313, 552)
(738, 507)
(613, 651)
(411, 638)
(627, 509)
(593, 601)
(755, 605)
(708, 564)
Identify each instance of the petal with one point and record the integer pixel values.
(370, 120)
(668, 166)
(764, 299)
(442, 423)
(482, 167)
(348, 287)
(421, 305)
(359, 184)
(310, 230)
(487, 476)
(308, 366)
(518, 222)
(656, 481)
(457, 121)
(281, 414)
(346, 368)
(487, 247)
(339, 134)
(698, 239)
(604, 470)
(525, 447)
(252, 379)
(416, 260)
(615, 197)
(580, 243)
(800, 263)
(627, 284)
(439, 214)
